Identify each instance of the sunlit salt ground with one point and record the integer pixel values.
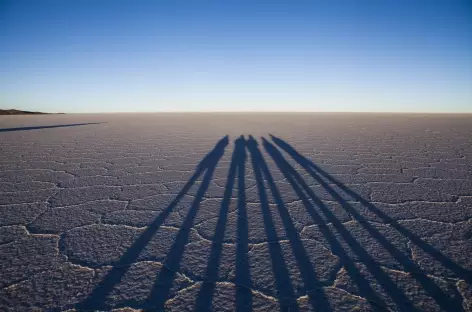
(333, 212)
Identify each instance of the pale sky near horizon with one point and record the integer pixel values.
(119, 56)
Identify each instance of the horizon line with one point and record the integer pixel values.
(267, 112)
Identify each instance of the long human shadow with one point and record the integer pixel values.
(205, 295)
(313, 287)
(442, 299)
(300, 187)
(97, 299)
(47, 127)
(285, 292)
(243, 274)
(165, 278)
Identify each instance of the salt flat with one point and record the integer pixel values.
(224, 212)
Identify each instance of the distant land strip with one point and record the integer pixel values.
(21, 112)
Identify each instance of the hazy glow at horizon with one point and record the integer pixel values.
(411, 56)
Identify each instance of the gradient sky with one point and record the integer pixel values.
(101, 55)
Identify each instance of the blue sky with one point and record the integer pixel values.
(103, 55)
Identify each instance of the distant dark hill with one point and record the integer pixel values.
(19, 112)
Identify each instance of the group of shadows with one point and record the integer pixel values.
(285, 292)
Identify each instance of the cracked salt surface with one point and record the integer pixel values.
(141, 212)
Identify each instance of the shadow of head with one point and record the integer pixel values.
(251, 142)
(240, 142)
(216, 153)
(222, 143)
